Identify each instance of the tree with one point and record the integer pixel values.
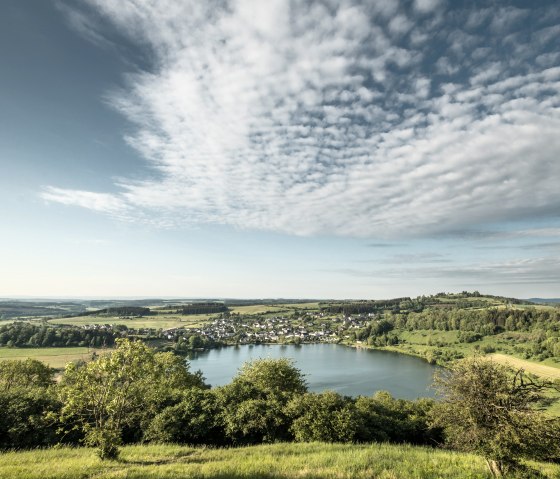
(194, 420)
(491, 410)
(26, 401)
(25, 374)
(385, 418)
(272, 376)
(327, 417)
(128, 386)
(252, 404)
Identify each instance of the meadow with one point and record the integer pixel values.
(424, 343)
(274, 308)
(164, 321)
(276, 461)
(55, 357)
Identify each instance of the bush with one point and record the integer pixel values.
(490, 409)
(194, 420)
(327, 417)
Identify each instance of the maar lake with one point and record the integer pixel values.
(348, 371)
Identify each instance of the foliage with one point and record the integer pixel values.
(194, 420)
(26, 400)
(120, 390)
(252, 404)
(384, 418)
(327, 417)
(203, 308)
(21, 334)
(491, 410)
(24, 418)
(272, 376)
(28, 373)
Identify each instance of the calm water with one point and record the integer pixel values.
(346, 370)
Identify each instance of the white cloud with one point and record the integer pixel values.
(425, 6)
(103, 202)
(309, 119)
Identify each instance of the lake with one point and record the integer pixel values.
(348, 371)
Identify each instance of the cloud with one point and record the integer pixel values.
(326, 118)
(102, 202)
(384, 245)
(426, 6)
(530, 271)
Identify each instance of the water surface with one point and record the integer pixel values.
(346, 370)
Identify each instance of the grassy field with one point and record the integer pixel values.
(149, 322)
(54, 357)
(537, 369)
(274, 308)
(313, 461)
(421, 341)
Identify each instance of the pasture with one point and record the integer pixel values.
(55, 357)
(166, 321)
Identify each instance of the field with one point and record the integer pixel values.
(537, 369)
(313, 461)
(273, 308)
(54, 357)
(146, 322)
(421, 341)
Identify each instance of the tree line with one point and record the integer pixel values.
(202, 308)
(22, 334)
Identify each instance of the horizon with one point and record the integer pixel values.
(291, 150)
(225, 299)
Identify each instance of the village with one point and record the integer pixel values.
(315, 328)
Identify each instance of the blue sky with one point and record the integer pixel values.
(325, 149)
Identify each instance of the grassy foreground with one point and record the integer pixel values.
(314, 460)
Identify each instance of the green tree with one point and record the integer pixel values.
(491, 410)
(384, 418)
(25, 374)
(194, 420)
(252, 404)
(26, 401)
(120, 389)
(327, 417)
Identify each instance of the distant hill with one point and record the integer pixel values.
(544, 300)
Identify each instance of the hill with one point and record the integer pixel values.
(308, 460)
(544, 300)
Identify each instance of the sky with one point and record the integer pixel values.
(287, 148)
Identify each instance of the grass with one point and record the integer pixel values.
(537, 369)
(55, 357)
(313, 461)
(421, 341)
(287, 308)
(167, 321)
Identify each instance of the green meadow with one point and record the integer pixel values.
(55, 357)
(166, 321)
(277, 461)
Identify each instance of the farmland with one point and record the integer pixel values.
(55, 357)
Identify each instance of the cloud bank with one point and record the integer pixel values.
(368, 119)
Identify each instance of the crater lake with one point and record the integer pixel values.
(346, 370)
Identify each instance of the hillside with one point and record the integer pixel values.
(311, 460)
